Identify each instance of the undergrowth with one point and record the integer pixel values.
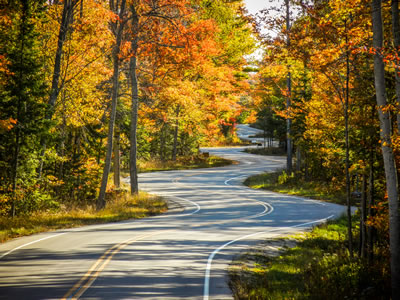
(318, 267)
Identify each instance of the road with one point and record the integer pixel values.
(247, 133)
(183, 254)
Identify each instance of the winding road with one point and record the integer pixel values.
(183, 254)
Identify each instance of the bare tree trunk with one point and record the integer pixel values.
(101, 202)
(66, 21)
(289, 146)
(117, 169)
(134, 105)
(386, 144)
(396, 40)
(346, 132)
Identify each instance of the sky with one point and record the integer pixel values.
(254, 6)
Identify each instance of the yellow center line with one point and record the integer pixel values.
(87, 280)
(92, 274)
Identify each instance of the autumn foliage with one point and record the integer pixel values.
(331, 60)
(188, 56)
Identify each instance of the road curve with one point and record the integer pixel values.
(182, 254)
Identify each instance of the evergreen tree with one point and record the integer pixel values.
(22, 90)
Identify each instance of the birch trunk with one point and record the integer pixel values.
(386, 144)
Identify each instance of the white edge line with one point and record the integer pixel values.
(226, 181)
(198, 208)
(30, 243)
(268, 207)
(193, 203)
(206, 291)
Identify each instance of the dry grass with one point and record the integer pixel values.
(120, 206)
(183, 163)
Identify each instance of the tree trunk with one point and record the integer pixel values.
(371, 192)
(363, 218)
(346, 132)
(101, 202)
(396, 41)
(298, 159)
(386, 144)
(15, 170)
(162, 141)
(289, 146)
(174, 150)
(135, 102)
(117, 161)
(66, 21)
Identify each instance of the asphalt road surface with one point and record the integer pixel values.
(247, 133)
(183, 254)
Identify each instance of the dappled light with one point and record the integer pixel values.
(145, 144)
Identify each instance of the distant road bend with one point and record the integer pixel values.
(183, 254)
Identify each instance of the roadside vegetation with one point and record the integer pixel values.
(296, 184)
(321, 266)
(52, 215)
(120, 206)
(183, 163)
(325, 89)
(317, 267)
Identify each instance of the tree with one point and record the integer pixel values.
(22, 98)
(118, 29)
(396, 43)
(135, 101)
(386, 144)
(66, 21)
(288, 97)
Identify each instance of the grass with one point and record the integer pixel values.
(294, 184)
(183, 163)
(121, 206)
(318, 267)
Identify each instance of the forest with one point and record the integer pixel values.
(152, 78)
(329, 85)
(93, 86)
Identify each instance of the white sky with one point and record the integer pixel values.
(254, 6)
